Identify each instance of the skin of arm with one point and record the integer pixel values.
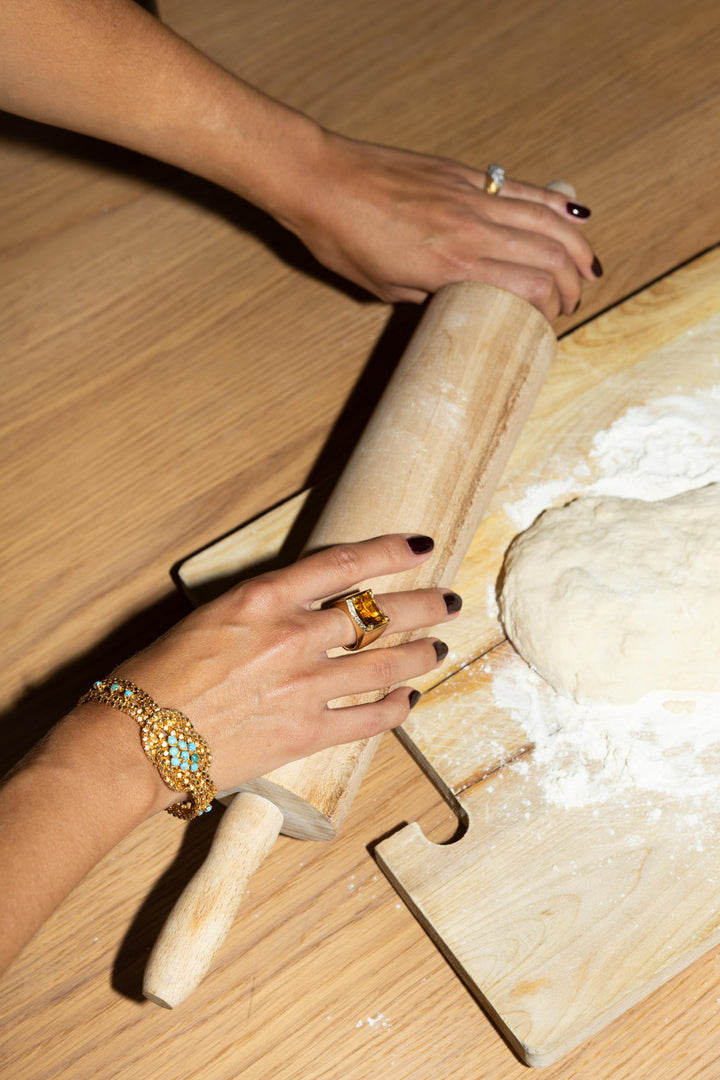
(251, 671)
(397, 223)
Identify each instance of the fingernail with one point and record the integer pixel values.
(578, 210)
(597, 267)
(420, 545)
(441, 649)
(414, 697)
(453, 602)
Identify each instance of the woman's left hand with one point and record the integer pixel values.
(402, 224)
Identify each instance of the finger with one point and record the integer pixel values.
(537, 219)
(549, 256)
(341, 567)
(398, 294)
(414, 609)
(363, 721)
(568, 208)
(376, 669)
(559, 196)
(530, 283)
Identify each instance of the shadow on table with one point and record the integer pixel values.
(217, 200)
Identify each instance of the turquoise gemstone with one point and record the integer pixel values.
(128, 693)
(171, 740)
(98, 683)
(182, 744)
(115, 686)
(184, 753)
(194, 757)
(175, 761)
(192, 746)
(193, 767)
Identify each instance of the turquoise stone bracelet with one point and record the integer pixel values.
(181, 756)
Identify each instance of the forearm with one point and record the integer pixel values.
(85, 788)
(253, 674)
(109, 69)
(398, 224)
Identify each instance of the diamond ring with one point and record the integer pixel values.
(494, 179)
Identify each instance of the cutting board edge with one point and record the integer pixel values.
(389, 855)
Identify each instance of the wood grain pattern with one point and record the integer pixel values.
(628, 354)
(202, 917)
(469, 895)
(433, 451)
(561, 919)
(125, 286)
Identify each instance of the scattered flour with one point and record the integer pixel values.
(651, 452)
(666, 743)
(377, 1022)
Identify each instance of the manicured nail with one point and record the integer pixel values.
(414, 697)
(453, 602)
(441, 649)
(578, 210)
(597, 267)
(420, 545)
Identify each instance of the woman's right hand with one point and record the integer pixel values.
(251, 669)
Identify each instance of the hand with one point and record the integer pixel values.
(402, 224)
(251, 669)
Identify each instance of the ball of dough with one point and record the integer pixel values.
(609, 598)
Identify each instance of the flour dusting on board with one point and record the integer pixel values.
(667, 744)
(651, 452)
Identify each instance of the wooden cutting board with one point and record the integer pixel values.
(561, 919)
(557, 920)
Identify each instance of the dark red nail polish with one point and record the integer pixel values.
(414, 697)
(420, 545)
(597, 267)
(441, 649)
(578, 210)
(453, 602)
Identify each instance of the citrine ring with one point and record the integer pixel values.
(367, 617)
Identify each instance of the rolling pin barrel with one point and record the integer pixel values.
(428, 462)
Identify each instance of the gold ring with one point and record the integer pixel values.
(367, 617)
(494, 179)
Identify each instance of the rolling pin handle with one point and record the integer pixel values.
(204, 913)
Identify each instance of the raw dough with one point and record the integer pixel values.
(609, 599)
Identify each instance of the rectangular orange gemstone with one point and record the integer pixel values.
(367, 610)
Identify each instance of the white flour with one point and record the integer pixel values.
(667, 744)
(651, 452)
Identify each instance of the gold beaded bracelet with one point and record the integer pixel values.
(181, 756)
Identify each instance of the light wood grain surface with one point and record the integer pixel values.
(557, 920)
(174, 365)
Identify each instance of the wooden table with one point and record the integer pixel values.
(140, 313)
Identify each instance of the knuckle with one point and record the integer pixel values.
(345, 560)
(255, 598)
(540, 218)
(556, 256)
(388, 713)
(540, 287)
(384, 667)
(289, 637)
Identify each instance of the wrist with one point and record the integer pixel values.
(266, 153)
(95, 755)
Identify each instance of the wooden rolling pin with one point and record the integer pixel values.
(428, 462)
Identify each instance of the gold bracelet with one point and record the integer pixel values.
(181, 756)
